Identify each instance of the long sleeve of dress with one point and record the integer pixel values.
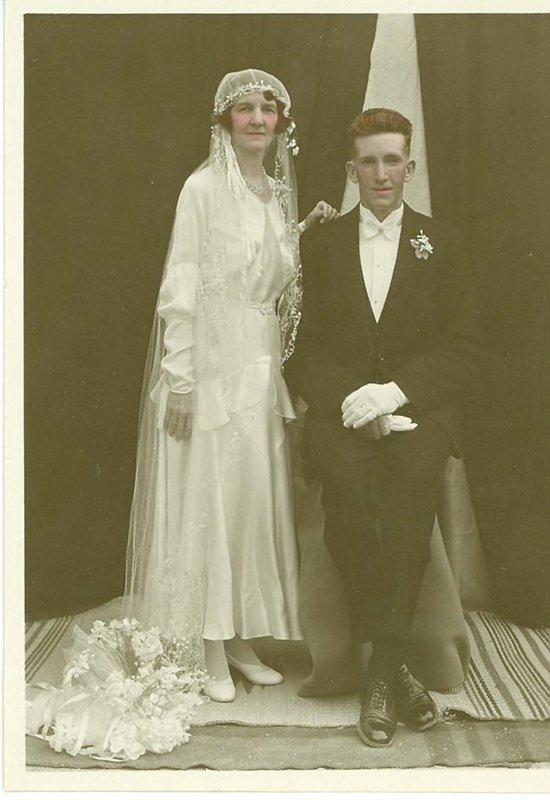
(177, 297)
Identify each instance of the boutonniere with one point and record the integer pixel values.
(423, 248)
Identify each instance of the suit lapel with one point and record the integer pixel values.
(406, 271)
(356, 299)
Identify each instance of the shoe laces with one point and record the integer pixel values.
(379, 696)
(404, 680)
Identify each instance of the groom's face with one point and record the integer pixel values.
(381, 166)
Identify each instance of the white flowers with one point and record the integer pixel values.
(247, 88)
(121, 692)
(146, 646)
(126, 691)
(422, 246)
(291, 142)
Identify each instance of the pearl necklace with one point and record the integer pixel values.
(259, 190)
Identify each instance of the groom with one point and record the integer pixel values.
(387, 345)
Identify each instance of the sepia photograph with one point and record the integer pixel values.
(277, 396)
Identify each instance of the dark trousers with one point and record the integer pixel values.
(379, 499)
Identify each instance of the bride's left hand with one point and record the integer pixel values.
(323, 212)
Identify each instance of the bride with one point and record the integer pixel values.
(212, 554)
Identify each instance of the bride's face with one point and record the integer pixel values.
(253, 123)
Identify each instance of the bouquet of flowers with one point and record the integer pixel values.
(125, 691)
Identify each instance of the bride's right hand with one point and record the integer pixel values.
(178, 419)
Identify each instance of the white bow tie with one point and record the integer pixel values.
(390, 228)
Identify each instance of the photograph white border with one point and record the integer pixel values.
(16, 777)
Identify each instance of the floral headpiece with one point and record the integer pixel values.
(230, 99)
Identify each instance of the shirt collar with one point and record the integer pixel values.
(394, 219)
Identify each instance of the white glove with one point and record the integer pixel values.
(383, 426)
(399, 423)
(371, 401)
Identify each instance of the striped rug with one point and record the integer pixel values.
(509, 677)
(41, 640)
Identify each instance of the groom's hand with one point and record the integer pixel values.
(369, 402)
(379, 427)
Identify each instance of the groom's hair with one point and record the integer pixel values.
(379, 120)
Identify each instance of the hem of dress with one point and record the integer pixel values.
(278, 638)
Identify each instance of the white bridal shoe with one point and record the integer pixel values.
(221, 691)
(220, 687)
(259, 674)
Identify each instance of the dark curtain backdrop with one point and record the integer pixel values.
(117, 114)
(486, 92)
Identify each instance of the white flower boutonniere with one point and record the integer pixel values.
(423, 248)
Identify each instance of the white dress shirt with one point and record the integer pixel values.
(378, 244)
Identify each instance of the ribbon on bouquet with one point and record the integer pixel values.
(52, 726)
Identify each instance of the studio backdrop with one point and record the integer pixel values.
(117, 115)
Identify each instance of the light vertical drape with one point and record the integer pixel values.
(394, 82)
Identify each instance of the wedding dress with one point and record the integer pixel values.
(232, 476)
(212, 549)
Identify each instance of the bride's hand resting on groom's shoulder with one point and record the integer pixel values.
(321, 213)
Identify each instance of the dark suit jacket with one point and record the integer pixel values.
(427, 339)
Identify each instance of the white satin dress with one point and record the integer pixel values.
(236, 465)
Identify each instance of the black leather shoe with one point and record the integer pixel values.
(377, 724)
(415, 707)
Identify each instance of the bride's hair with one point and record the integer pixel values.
(283, 122)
